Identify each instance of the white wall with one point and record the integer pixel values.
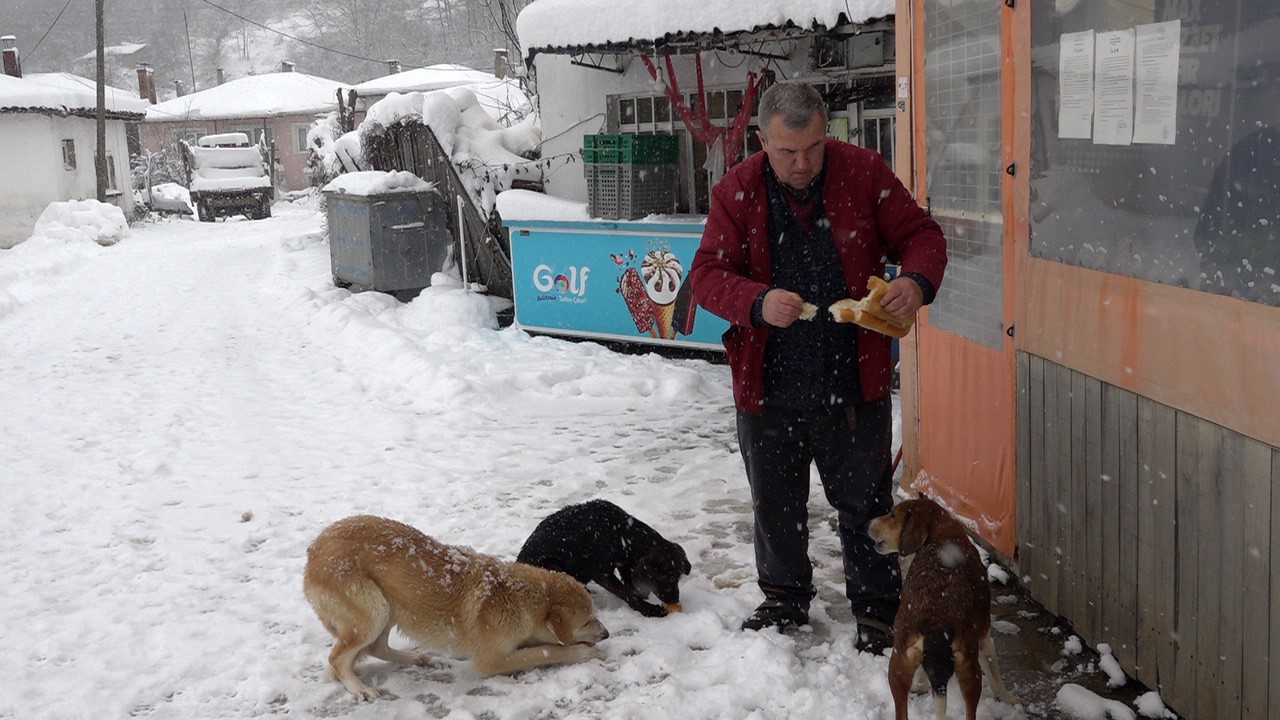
(33, 146)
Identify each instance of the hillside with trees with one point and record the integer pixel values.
(188, 41)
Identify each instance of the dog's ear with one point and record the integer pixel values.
(684, 561)
(916, 522)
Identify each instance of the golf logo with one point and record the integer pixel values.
(569, 285)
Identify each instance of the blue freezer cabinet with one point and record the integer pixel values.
(610, 280)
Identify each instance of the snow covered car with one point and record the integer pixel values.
(228, 176)
(166, 198)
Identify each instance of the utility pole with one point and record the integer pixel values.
(100, 157)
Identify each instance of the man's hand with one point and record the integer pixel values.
(782, 307)
(903, 298)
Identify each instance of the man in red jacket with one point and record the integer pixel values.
(809, 220)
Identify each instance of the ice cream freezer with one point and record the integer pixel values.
(610, 280)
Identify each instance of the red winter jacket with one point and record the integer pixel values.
(873, 218)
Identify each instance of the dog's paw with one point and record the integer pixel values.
(363, 692)
(582, 652)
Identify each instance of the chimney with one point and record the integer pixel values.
(9, 46)
(393, 67)
(146, 83)
(286, 66)
(500, 62)
(178, 88)
(222, 76)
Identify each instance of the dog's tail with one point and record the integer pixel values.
(939, 663)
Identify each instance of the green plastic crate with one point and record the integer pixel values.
(630, 149)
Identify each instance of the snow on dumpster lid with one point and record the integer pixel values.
(377, 182)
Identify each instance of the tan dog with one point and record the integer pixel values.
(366, 575)
(943, 626)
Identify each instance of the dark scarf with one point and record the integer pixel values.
(813, 363)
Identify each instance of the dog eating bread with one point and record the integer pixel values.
(599, 541)
(868, 313)
(943, 625)
(365, 575)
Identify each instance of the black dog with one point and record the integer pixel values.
(597, 540)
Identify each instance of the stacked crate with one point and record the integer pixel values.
(630, 176)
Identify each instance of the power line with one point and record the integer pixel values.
(46, 32)
(287, 35)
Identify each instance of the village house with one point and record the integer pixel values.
(277, 108)
(502, 98)
(49, 125)
(120, 60)
(423, 79)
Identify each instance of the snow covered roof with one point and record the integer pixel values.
(542, 24)
(256, 96)
(65, 94)
(424, 79)
(122, 50)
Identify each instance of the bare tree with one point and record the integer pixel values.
(502, 15)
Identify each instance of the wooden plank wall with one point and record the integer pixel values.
(1155, 532)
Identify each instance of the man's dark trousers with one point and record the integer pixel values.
(851, 449)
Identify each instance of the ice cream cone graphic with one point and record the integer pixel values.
(663, 274)
(664, 320)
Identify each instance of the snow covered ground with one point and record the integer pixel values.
(185, 410)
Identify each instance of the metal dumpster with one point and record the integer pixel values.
(390, 242)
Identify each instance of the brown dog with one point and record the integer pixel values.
(366, 575)
(943, 626)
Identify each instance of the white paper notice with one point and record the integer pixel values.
(1113, 88)
(1075, 85)
(1156, 66)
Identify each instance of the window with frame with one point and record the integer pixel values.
(68, 154)
(653, 114)
(112, 186)
(189, 135)
(962, 93)
(257, 135)
(1196, 206)
(300, 138)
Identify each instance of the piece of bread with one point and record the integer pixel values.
(868, 313)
